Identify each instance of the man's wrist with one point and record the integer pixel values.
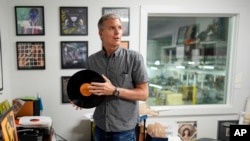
(116, 92)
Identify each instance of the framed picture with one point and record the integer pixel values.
(123, 12)
(30, 55)
(64, 81)
(224, 129)
(1, 67)
(29, 20)
(74, 20)
(74, 54)
(186, 32)
(125, 44)
(187, 130)
(8, 127)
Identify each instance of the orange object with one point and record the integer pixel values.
(30, 108)
(84, 89)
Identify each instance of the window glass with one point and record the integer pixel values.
(187, 60)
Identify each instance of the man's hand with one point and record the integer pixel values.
(99, 88)
(75, 106)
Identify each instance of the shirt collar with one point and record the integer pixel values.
(115, 53)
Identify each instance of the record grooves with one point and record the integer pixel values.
(77, 89)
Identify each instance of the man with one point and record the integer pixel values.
(126, 82)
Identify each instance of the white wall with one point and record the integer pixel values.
(70, 123)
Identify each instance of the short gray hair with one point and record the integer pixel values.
(106, 17)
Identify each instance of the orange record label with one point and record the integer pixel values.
(85, 90)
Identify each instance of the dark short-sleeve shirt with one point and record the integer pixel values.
(125, 69)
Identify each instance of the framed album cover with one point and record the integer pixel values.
(29, 20)
(30, 55)
(125, 44)
(185, 32)
(187, 130)
(124, 13)
(224, 129)
(64, 81)
(74, 54)
(8, 127)
(1, 67)
(74, 20)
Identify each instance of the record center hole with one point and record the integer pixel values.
(34, 120)
(85, 90)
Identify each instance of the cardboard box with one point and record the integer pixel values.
(149, 138)
(30, 108)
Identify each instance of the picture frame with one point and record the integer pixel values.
(64, 83)
(73, 21)
(183, 31)
(29, 20)
(124, 13)
(187, 130)
(74, 54)
(30, 55)
(224, 129)
(8, 127)
(1, 66)
(125, 44)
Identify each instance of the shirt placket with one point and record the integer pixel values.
(109, 75)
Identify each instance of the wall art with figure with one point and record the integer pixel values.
(29, 20)
(74, 20)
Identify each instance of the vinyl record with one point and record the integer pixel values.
(77, 91)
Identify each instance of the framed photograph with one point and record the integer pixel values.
(29, 20)
(125, 44)
(74, 20)
(187, 130)
(74, 54)
(30, 55)
(224, 129)
(64, 81)
(123, 12)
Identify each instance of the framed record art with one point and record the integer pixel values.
(8, 126)
(74, 54)
(125, 44)
(1, 67)
(124, 13)
(74, 20)
(224, 129)
(64, 81)
(30, 55)
(187, 130)
(29, 20)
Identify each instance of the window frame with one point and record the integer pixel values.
(212, 109)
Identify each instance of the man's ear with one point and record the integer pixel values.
(100, 34)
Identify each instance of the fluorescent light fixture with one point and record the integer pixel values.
(207, 67)
(180, 67)
(191, 63)
(156, 86)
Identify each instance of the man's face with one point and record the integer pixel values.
(111, 33)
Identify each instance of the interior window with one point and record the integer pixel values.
(187, 60)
